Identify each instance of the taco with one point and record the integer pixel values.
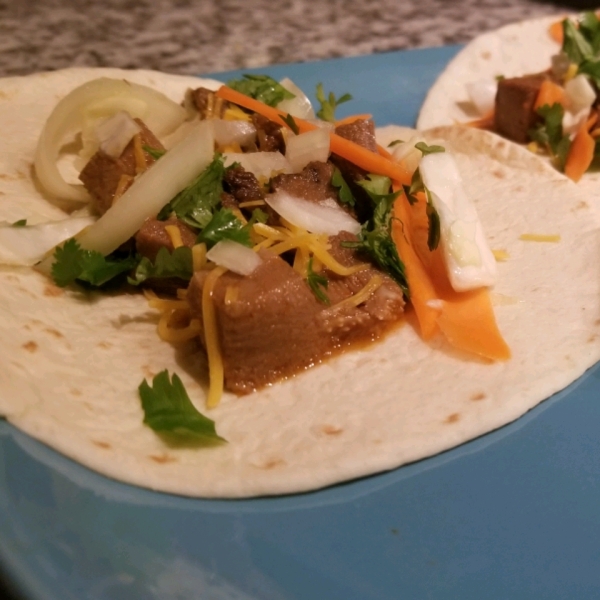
(73, 357)
(532, 82)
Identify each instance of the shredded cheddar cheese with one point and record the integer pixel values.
(362, 295)
(538, 237)
(501, 255)
(138, 152)
(234, 113)
(211, 339)
(124, 182)
(175, 235)
(199, 256)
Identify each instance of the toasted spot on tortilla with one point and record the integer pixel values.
(104, 345)
(271, 464)
(582, 204)
(499, 173)
(478, 396)
(593, 337)
(30, 346)
(100, 444)
(53, 290)
(331, 430)
(452, 418)
(162, 458)
(54, 332)
(486, 55)
(11, 277)
(76, 392)
(148, 371)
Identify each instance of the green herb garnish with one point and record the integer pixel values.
(289, 121)
(169, 410)
(434, 232)
(155, 153)
(329, 104)
(317, 283)
(73, 263)
(425, 149)
(196, 204)
(178, 263)
(549, 133)
(224, 225)
(395, 143)
(344, 192)
(262, 88)
(19, 223)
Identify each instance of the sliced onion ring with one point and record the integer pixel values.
(159, 112)
(314, 217)
(235, 257)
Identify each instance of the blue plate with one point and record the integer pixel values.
(514, 514)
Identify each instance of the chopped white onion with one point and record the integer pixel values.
(25, 246)
(262, 164)
(406, 153)
(580, 93)
(96, 99)
(235, 257)
(469, 261)
(483, 94)
(298, 106)
(306, 147)
(230, 132)
(314, 217)
(114, 133)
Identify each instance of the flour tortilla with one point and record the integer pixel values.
(72, 362)
(512, 51)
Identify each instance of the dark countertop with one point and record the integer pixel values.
(194, 37)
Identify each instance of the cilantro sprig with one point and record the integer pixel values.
(178, 263)
(169, 411)
(375, 237)
(317, 283)
(344, 192)
(224, 225)
(72, 263)
(329, 103)
(549, 133)
(262, 88)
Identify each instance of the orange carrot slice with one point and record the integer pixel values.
(352, 118)
(466, 319)
(581, 152)
(550, 93)
(485, 122)
(556, 32)
(372, 162)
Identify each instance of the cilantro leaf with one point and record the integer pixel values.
(550, 133)
(262, 88)
(155, 153)
(289, 121)
(19, 223)
(575, 45)
(425, 149)
(178, 263)
(329, 104)
(73, 263)
(375, 237)
(169, 410)
(434, 233)
(317, 283)
(589, 26)
(395, 143)
(258, 216)
(196, 203)
(344, 192)
(416, 186)
(224, 225)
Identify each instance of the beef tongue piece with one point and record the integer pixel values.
(102, 174)
(272, 326)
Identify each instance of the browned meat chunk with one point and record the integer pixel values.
(242, 185)
(153, 236)
(103, 174)
(208, 104)
(268, 134)
(514, 114)
(312, 184)
(272, 326)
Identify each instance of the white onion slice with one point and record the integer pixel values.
(235, 257)
(230, 132)
(469, 261)
(306, 147)
(262, 164)
(315, 218)
(116, 132)
(299, 106)
(483, 94)
(25, 246)
(101, 97)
